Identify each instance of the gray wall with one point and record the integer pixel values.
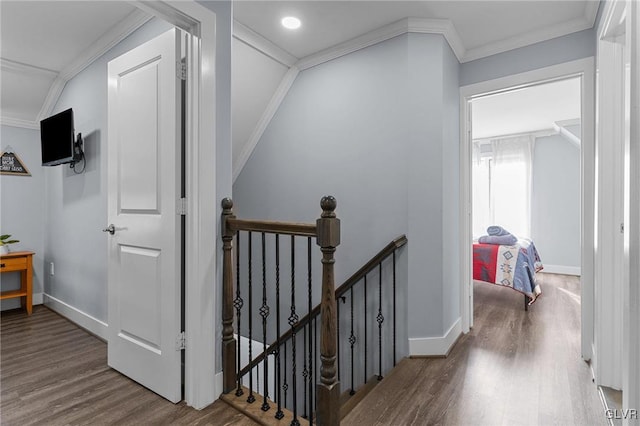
(539, 55)
(22, 210)
(378, 130)
(76, 205)
(555, 201)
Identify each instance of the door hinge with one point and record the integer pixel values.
(181, 70)
(182, 206)
(181, 341)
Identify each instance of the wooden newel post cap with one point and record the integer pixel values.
(328, 226)
(328, 205)
(227, 203)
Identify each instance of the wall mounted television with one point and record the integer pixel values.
(57, 140)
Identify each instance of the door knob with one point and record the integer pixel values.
(110, 229)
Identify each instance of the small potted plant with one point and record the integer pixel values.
(4, 243)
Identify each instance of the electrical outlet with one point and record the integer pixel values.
(51, 269)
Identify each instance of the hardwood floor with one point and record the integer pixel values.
(54, 373)
(513, 368)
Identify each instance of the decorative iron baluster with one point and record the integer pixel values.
(237, 303)
(293, 321)
(279, 413)
(365, 329)
(310, 352)
(264, 313)
(285, 386)
(394, 308)
(251, 398)
(305, 373)
(380, 319)
(352, 342)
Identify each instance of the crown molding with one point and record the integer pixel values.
(265, 119)
(438, 26)
(369, 39)
(20, 68)
(19, 122)
(544, 34)
(261, 44)
(105, 43)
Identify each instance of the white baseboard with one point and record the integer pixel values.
(559, 269)
(84, 320)
(37, 299)
(436, 346)
(218, 384)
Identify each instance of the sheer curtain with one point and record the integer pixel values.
(510, 184)
(481, 193)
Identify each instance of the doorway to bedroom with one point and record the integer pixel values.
(523, 176)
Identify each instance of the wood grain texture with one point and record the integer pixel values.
(513, 368)
(54, 373)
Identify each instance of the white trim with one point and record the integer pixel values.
(101, 46)
(438, 26)
(202, 234)
(265, 119)
(261, 44)
(18, 122)
(585, 69)
(84, 320)
(532, 37)
(37, 298)
(436, 346)
(559, 269)
(20, 68)
(403, 26)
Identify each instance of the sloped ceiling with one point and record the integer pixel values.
(45, 43)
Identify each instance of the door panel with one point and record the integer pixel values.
(144, 271)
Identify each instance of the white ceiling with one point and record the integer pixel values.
(45, 43)
(484, 27)
(526, 110)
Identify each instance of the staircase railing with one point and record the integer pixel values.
(326, 231)
(361, 294)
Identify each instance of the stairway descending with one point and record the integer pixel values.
(388, 392)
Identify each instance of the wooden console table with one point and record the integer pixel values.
(19, 261)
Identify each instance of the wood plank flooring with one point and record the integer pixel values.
(513, 368)
(54, 373)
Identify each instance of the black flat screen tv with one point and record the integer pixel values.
(57, 139)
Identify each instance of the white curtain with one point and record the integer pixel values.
(480, 169)
(511, 183)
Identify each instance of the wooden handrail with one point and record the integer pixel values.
(273, 227)
(350, 282)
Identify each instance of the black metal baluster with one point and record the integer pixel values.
(305, 373)
(264, 313)
(352, 342)
(380, 319)
(394, 308)
(250, 398)
(315, 358)
(310, 353)
(293, 321)
(365, 329)
(279, 413)
(237, 303)
(285, 386)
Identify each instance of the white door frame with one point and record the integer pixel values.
(621, 23)
(201, 219)
(583, 68)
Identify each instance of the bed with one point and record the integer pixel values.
(509, 266)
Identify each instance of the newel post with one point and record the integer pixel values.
(328, 390)
(228, 341)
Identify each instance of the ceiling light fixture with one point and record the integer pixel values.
(291, 22)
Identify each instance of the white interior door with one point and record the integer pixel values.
(144, 265)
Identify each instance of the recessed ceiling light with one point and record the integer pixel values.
(291, 22)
